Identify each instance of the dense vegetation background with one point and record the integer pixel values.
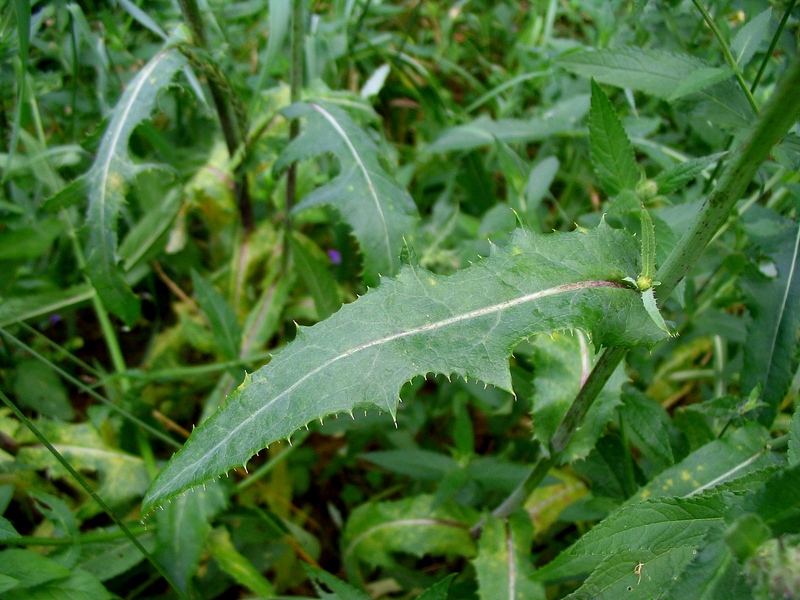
(591, 206)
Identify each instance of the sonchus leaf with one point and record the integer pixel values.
(107, 176)
(375, 206)
(466, 325)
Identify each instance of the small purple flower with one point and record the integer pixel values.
(55, 318)
(335, 256)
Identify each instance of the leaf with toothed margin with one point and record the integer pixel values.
(465, 324)
(377, 208)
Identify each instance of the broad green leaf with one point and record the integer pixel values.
(375, 532)
(713, 573)
(438, 591)
(787, 152)
(647, 424)
(29, 242)
(183, 527)
(79, 585)
(106, 180)
(106, 560)
(612, 153)
(777, 502)
(38, 387)
(22, 308)
(280, 17)
(770, 354)
(503, 563)
(29, 568)
(236, 565)
(608, 470)
(723, 105)
(750, 37)
(7, 530)
(794, 439)
(122, 475)
(149, 236)
(340, 589)
(465, 325)
(316, 275)
(563, 361)
(713, 464)
(639, 575)
(562, 118)
(224, 326)
(656, 72)
(377, 208)
(745, 535)
(676, 177)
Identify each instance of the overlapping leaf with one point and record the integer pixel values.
(377, 208)
(465, 324)
(106, 179)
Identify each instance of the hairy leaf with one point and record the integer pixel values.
(418, 323)
(503, 564)
(655, 72)
(105, 181)
(612, 153)
(377, 208)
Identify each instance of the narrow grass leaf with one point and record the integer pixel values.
(612, 153)
(376, 207)
(661, 74)
(224, 326)
(107, 177)
(794, 439)
(22, 308)
(235, 564)
(465, 325)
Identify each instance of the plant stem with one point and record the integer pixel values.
(296, 83)
(128, 533)
(231, 120)
(726, 52)
(778, 116)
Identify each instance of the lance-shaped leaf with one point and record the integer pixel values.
(465, 324)
(377, 208)
(105, 181)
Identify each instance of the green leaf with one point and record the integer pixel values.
(377, 208)
(777, 502)
(29, 242)
(713, 573)
(770, 353)
(745, 535)
(340, 589)
(612, 153)
(618, 576)
(38, 387)
(79, 585)
(7, 530)
(794, 439)
(750, 37)
(236, 565)
(465, 324)
(23, 12)
(106, 560)
(723, 105)
(224, 326)
(183, 527)
(28, 568)
(607, 469)
(149, 236)
(22, 308)
(562, 118)
(678, 176)
(503, 563)
(563, 361)
(713, 464)
(280, 16)
(647, 424)
(107, 177)
(656, 72)
(376, 531)
(438, 591)
(651, 306)
(313, 268)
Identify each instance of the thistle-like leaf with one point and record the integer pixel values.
(106, 179)
(466, 325)
(377, 208)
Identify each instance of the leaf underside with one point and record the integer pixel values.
(466, 325)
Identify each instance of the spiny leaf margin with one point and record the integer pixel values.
(466, 325)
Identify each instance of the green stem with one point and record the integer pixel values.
(89, 538)
(232, 117)
(772, 45)
(726, 52)
(778, 116)
(296, 83)
(128, 533)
